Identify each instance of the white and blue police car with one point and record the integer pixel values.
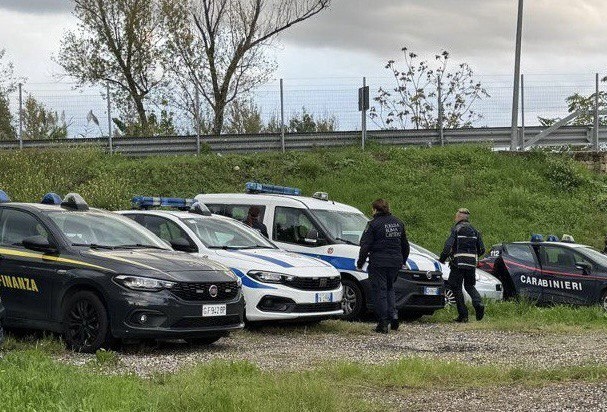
(331, 231)
(277, 285)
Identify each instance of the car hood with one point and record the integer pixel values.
(162, 264)
(272, 259)
(418, 261)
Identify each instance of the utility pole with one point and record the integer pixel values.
(517, 77)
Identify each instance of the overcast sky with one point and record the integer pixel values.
(356, 37)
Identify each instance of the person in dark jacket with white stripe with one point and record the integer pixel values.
(463, 247)
(385, 243)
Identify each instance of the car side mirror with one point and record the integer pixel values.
(39, 244)
(182, 245)
(585, 267)
(312, 237)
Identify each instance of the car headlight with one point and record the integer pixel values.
(141, 283)
(235, 277)
(270, 277)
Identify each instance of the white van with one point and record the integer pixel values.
(331, 231)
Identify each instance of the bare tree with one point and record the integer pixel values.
(414, 98)
(221, 44)
(117, 42)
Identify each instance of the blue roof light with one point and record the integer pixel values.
(537, 238)
(253, 187)
(147, 202)
(552, 238)
(51, 199)
(4, 197)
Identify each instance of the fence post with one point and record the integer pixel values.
(282, 117)
(364, 115)
(109, 117)
(20, 115)
(197, 119)
(595, 136)
(522, 139)
(441, 131)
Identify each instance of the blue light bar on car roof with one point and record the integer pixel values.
(252, 187)
(147, 202)
(4, 197)
(51, 199)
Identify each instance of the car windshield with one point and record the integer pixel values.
(345, 226)
(104, 230)
(593, 255)
(218, 233)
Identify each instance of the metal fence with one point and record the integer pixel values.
(87, 113)
(178, 145)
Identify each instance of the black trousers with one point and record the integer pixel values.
(468, 278)
(382, 287)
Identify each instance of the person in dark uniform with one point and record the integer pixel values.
(463, 247)
(385, 243)
(253, 221)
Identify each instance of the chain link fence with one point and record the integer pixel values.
(330, 103)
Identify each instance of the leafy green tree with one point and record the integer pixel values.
(303, 122)
(8, 85)
(586, 104)
(413, 101)
(7, 130)
(117, 42)
(40, 123)
(244, 118)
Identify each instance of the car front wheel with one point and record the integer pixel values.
(352, 302)
(85, 322)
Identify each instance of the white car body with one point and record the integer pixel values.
(341, 250)
(314, 289)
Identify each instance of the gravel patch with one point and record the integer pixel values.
(300, 348)
(293, 349)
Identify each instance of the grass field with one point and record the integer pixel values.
(510, 196)
(32, 380)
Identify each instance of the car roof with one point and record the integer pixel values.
(286, 200)
(48, 208)
(566, 244)
(177, 213)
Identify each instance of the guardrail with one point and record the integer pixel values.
(177, 145)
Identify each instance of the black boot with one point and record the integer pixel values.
(480, 312)
(394, 324)
(382, 327)
(461, 319)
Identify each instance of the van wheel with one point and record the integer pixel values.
(85, 322)
(207, 340)
(449, 296)
(353, 300)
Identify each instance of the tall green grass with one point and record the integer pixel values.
(31, 380)
(510, 195)
(526, 316)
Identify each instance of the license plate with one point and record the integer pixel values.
(324, 297)
(213, 310)
(431, 291)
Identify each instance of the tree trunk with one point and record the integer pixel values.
(143, 118)
(218, 118)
